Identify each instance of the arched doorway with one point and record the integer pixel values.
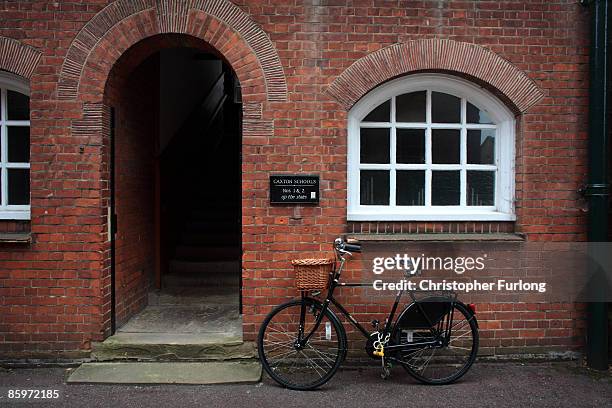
(91, 57)
(175, 132)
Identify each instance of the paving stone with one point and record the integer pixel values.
(167, 373)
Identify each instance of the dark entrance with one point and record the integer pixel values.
(176, 132)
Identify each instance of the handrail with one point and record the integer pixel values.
(197, 109)
(220, 104)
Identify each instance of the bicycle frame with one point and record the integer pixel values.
(335, 282)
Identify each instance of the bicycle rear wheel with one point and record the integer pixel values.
(301, 368)
(447, 362)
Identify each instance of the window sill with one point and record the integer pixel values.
(507, 237)
(15, 237)
(15, 215)
(399, 217)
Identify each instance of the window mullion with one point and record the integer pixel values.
(463, 154)
(428, 150)
(393, 147)
(3, 100)
(3, 149)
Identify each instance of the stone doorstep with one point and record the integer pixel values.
(167, 373)
(173, 349)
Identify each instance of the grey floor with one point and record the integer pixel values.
(188, 313)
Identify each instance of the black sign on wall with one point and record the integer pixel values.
(294, 189)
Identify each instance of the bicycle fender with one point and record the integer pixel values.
(412, 313)
(470, 312)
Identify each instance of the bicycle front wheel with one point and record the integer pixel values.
(447, 362)
(301, 367)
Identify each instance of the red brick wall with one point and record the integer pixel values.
(134, 97)
(55, 292)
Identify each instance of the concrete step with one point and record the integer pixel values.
(215, 214)
(154, 347)
(213, 226)
(210, 279)
(195, 296)
(208, 253)
(212, 239)
(168, 373)
(204, 267)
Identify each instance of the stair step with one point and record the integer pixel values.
(201, 279)
(208, 253)
(213, 226)
(195, 296)
(195, 238)
(206, 267)
(168, 373)
(219, 214)
(172, 347)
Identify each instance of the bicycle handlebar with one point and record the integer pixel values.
(342, 246)
(353, 247)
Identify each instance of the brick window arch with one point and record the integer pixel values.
(430, 147)
(14, 147)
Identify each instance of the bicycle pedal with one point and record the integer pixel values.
(385, 374)
(375, 323)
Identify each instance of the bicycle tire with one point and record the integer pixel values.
(328, 363)
(427, 377)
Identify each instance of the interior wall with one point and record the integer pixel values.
(135, 98)
(184, 80)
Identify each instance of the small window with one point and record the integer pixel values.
(430, 147)
(14, 148)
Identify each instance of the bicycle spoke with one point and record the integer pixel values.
(286, 361)
(446, 361)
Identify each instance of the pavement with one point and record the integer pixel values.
(485, 385)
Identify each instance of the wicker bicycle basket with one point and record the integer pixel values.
(312, 273)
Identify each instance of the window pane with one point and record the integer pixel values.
(475, 115)
(18, 106)
(374, 146)
(18, 186)
(382, 113)
(445, 189)
(445, 146)
(410, 187)
(481, 146)
(411, 107)
(480, 188)
(445, 108)
(18, 144)
(374, 187)
(411, 146)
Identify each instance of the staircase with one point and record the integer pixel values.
(186, 335)
(206, 249)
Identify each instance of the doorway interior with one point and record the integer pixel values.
(176, 182)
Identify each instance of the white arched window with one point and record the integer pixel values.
(14, 147)
(430, 147)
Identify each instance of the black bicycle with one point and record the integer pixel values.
(302, 343)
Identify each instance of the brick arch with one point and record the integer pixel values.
(461, 58)
(222, 24)
(17, 57)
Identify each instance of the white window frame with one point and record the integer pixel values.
(504, 152)
(14, 83)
